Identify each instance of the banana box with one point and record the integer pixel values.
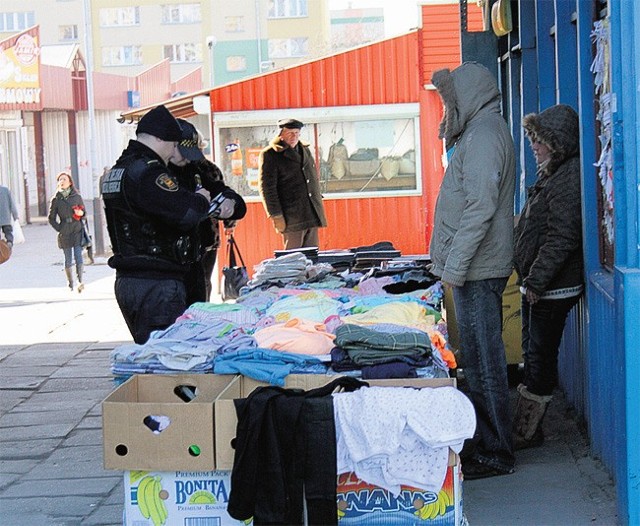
(178, 497)
(361, 503)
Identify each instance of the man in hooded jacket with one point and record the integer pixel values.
(472, 251)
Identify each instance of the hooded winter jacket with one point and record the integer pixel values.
(548, 236)
(473, 226)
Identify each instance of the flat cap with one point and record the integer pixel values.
(290, 123)
(161, 124)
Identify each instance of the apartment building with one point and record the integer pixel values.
(225, 40)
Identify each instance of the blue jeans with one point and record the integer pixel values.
(542, 327)
(478, 307)
(77, 255)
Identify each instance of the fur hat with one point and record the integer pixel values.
(161, 124)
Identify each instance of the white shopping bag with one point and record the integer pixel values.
(18, 234)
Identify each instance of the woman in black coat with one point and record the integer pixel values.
(65, 216)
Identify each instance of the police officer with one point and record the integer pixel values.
(193, 171)
(152, 222)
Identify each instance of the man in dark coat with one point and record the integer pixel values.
(152, 223)
(290, 189)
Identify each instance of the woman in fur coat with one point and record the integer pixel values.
(549, 261)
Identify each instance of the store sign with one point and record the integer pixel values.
(20, 68)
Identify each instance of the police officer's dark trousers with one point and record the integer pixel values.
(149, 304)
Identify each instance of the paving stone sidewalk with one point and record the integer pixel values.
(54, 373)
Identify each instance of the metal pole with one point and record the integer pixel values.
(211, 44)
(97, 202)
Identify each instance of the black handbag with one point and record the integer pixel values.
(234, 277)
(87, 240)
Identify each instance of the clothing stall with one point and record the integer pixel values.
(313, 361)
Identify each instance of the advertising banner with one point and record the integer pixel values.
(20, 71)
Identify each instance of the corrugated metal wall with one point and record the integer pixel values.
(109, 135)
(110, 91)
(57, 89)
(439, 23)
(153, 84)
(190, 83)
(55, 127)
(386, 72)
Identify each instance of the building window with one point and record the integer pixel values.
(17, 21)
(234, 24)
(179, 53)
(287, 8)
(181, 14)
(288, 47)
(367, 150)
(122, 56)
(67, 33)
(236, 63)
(119, 16)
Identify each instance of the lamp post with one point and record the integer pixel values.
(93, 159)
(211, 44)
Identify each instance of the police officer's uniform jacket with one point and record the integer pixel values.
(151, 219)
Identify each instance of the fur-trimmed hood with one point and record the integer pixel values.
(465, 91)
(558, 128)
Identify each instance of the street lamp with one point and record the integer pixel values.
(211, 44)
(97, 202)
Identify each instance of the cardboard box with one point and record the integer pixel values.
(199, 410)
(362, 503)
(177, 497)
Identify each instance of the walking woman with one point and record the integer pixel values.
(65, 216)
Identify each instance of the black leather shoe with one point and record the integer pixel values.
(473, 469)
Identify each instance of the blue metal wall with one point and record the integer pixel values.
(625, 53)
(600, 354)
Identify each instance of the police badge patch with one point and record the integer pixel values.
(166, 182)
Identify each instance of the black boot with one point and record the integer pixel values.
(527, 424)
(79, 273)
(69, 273)
(90, 255)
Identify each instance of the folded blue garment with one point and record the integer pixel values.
(265, 365)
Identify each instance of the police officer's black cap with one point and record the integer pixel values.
(189, 144)
(290, 123)
(161, 124)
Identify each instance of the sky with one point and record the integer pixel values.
(399, 15)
